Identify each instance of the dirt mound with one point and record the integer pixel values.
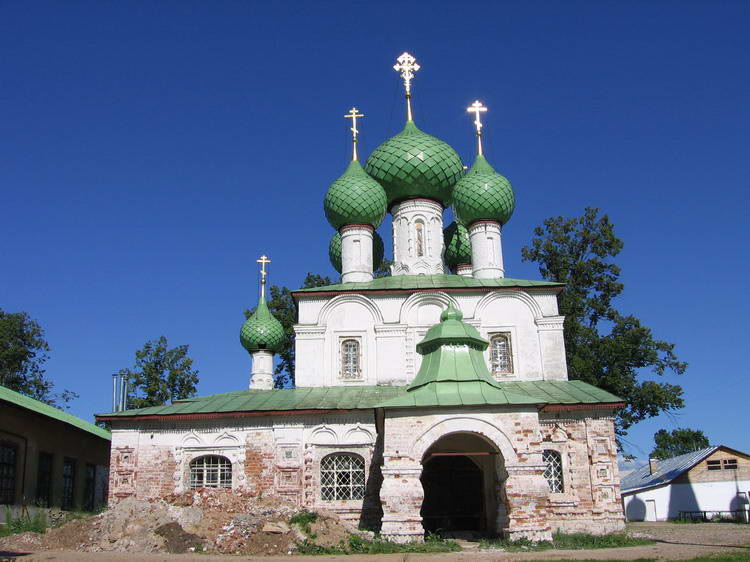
(205, 520)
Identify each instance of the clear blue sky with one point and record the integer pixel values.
(150, 151)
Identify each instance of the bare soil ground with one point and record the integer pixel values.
(674, 542)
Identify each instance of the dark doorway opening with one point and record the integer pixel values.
(453, 495)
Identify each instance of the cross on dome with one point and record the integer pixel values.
(407, 65)
(263, 261)
(477, 108)
(353, 115)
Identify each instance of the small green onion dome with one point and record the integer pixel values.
(483, 194)
(334, 251)
(262, 331)
(414, 164)
(355, 198)
(457, 245)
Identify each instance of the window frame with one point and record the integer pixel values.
(69, 483)
(420, 238)
(337, 488)
(508, 336)
(222, 480)
(344, 340)
(556, 480)
(8, 472)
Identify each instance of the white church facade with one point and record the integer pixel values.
(433, 399)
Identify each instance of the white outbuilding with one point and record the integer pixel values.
(706, 484)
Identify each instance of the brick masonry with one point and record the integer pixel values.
(282, 455)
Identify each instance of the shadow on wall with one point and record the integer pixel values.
(681, 498)
(636, 509)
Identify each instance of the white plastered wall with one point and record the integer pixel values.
(388, 327)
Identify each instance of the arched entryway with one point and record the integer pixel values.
(462, 478)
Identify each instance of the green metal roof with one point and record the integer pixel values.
(483, 194)
(457, 245)
(43, 409)
(262, 330)
(369, 397)
(355, 198)
(411, 282)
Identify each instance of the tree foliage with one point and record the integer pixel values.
(668, 444)
(160, 375)
(23, 352)
(603, 346)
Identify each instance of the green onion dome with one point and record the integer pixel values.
(355, 198)
(483, 194)
(334, 251)
(414, 164)
(457, 245)
(262, 331)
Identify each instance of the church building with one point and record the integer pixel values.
(435, 399)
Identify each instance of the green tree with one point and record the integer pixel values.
(282, 306)
(384, 269)
(23, 351)
(668, 444)
(603, 347)
(160, 375)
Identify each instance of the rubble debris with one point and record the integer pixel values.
(204, 520)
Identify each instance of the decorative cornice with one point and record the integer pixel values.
(306, 330)
(550, 323)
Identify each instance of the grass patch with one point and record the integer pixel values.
(36, 523)
(571, 541)
(304, 519)
(358, 545)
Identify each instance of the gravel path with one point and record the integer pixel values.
(675, 542)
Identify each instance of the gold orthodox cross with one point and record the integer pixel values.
(263, 261)
(353, 116)
(478, 109)
(407, 66)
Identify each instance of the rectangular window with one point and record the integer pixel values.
(69, 478)
(8, 461)
(88, 495)
(713, 465)
(44, 480)
(730, 464)
(501, 355)
(351, 359)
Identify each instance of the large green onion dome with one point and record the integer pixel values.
(262, 331)
(334, 251)
(355, 198)
(457, 245)
(414, 164)
(483, 194)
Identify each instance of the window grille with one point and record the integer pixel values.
(419, 227)
(8, 459)
(69, 479)
(210, 471)
(342, 477)
(553, 471)
(350, 367)
(501, 359)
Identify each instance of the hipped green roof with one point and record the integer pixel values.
(43, 409)
(369, 397)
(411, 282)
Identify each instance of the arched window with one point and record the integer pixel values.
(350, 363)
(342, 477)
(419, 228)
(211, 471)
(501, 358)
(553, 471)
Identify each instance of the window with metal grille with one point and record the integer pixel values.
(342, 477)
(8, 460)
(350, 365)
(211, 471)
(553, 471)
(501, 359)
(88, 494)
(44, 480)
(69, 479)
